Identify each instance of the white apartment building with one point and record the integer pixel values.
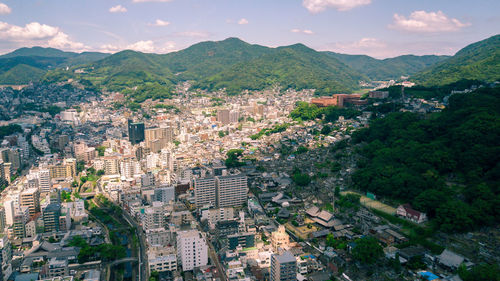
(231, 190)
(204, 191)
(192, 249)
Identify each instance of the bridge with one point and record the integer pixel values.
(124, 260)
(87, 195)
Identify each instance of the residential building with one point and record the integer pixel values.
(50, 216)
(192, 249)
(204, 191)
(30, 198)
(231, 190)
(283, 267)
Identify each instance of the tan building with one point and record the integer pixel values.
(111, 165)
(158, 138)
(280, 239)
(66, 169)
(30, 198)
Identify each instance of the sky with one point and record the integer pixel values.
(378, 28)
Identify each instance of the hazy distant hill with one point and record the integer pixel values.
(386, 69)
(478, 61)
(30, 64)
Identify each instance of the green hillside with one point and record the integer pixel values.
(295, 66)
(21, 74)
(30, 64)
(386, 69)
(478, 61)
(231, 64)
(207, 58)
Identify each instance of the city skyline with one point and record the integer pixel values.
(379, 29)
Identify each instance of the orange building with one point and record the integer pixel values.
(339, 100)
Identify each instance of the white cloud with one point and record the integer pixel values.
(117, 9)
(159, 22)
(422, 21)
(36, 34)
(144, 1)
(316, 6)
(196, 34)
(4, 9)
(243, 21)
(142, 46)
(369, 46)
(145, 46)
(304, 31)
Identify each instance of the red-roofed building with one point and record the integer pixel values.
(406, 211)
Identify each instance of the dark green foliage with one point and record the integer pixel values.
(31, 64)
(410, 159)
(386, 69)
(480, 61)
(367, 250)
(301, 179)
(103, 252)
(480, 272)
(233, 157)
(305, 111)
(278, 128)
(296, 66)
(9, 130)
(100, 150)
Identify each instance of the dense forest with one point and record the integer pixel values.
(446, 164)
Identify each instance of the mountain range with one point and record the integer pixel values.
(236, 66)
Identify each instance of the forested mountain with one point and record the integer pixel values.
(231, 64)
(479, 61)
(386, 69)
(446, 164)
(30, 64)
(295, 66)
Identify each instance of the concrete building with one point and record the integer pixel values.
(5, 258)
(204, 191)
(283, 267)
(192, 249)
(280, 239)
(161, 259)
(50, 216)
(231, 191)
(223, 116)
(135, 132)
(164, 194)
(111, 165)
(30, 198)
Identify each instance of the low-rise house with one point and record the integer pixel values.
(406, 211)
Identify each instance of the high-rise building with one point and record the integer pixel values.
(111, 165)
(164, 194)
(4, 173)
(5, 258)
(50, 216)
(231, 190)
(221, 191)
(64, 170)
(21, 217)
(204, 191)
(223, 116)
(192, 249)
(30, 198)
(283, 267)
(135, 132)
(154, 217)
(158, 138)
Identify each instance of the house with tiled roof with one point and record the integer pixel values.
(407, 212)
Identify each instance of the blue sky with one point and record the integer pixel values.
(380, 28)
